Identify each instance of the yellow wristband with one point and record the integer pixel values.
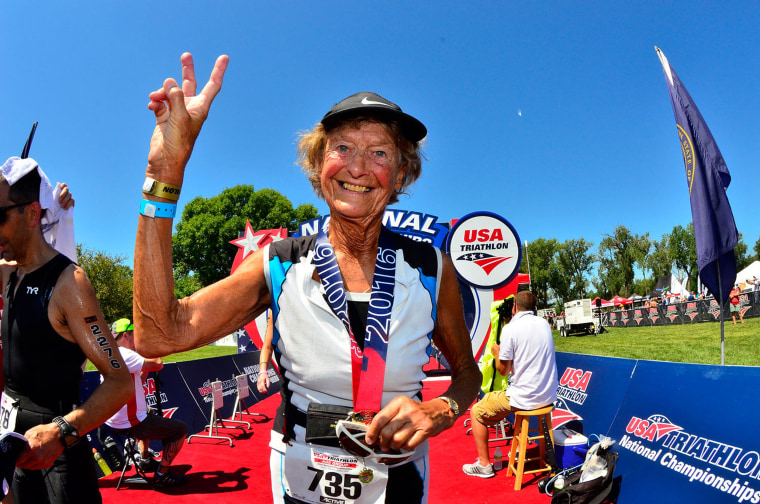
(156, 188)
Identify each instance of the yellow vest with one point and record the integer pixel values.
(492, 379)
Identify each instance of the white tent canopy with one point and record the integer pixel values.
(748, 272)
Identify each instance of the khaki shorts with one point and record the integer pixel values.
(493, 408)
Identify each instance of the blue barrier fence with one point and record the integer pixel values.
(183, 389)
(684, 432)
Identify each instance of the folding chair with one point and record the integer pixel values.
(130, 451)
(217, 401)
(240, 407)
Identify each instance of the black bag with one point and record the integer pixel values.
(588, 492)
(114, 454)
(320, 423)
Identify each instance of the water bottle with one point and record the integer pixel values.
(497, 460)
(113, 454)
(101, 463)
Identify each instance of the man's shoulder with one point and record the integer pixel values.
(126, 352)
(530, 322)
(524, 317)
(71, 275)
(132, 359)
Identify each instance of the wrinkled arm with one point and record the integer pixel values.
(453, 339)
(163, 324)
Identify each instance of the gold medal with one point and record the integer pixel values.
(366, 475)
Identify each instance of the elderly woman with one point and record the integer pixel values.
(354, 309)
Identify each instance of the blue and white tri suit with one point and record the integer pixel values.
(313, 347)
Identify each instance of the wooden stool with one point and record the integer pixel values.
(522, 436)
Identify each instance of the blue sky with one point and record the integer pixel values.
(552, 114)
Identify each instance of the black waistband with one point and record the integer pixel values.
(25, 403)
(294, 416)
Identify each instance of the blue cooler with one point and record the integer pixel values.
(570, 447)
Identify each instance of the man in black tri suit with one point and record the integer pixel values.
(51, 324)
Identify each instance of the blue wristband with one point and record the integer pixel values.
(157, 209)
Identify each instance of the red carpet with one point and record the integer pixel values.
(220, 474)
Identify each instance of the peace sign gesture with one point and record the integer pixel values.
(180, 113)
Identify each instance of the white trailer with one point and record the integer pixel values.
(579, 318)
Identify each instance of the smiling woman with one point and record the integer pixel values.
(354, 308)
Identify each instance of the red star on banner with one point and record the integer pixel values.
(252, 241)
(248, 243)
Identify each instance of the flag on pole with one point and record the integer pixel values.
(707, 178)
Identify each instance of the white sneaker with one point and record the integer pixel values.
(478, 470)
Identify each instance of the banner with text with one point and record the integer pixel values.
(685, 433)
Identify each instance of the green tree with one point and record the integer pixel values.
(540, 254)
(560, 285)
(111, 280)
(756, 248)
(575, 263)
(682, 249)
(609, 279)
(184, 285)
(658, 261)
(641, 254)
(743, 259)
(201, 245)
(618, 253)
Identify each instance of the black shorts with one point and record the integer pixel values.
(167, 430)
(71, 479)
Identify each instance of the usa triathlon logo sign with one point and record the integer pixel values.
(707, 463)
(485, 250)
(563, 414)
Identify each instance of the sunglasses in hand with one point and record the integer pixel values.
(351, 437)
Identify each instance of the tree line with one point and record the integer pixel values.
(561, 272)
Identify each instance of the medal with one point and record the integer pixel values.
(366, 475)
(363, 416)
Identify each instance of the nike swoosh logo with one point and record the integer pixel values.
(365, 101)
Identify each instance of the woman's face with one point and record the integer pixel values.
(361, 170)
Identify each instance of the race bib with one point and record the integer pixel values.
(320, 474)
(8, 414)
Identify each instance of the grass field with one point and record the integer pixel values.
(695, 343)
(198, 353)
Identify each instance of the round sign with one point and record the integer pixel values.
(485, 250)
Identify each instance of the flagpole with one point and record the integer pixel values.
(707, 175)
(527, 259)
(720, 302)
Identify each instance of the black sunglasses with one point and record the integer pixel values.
(4, 210)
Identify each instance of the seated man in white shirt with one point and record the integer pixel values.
(527, 353)
(133, 417)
